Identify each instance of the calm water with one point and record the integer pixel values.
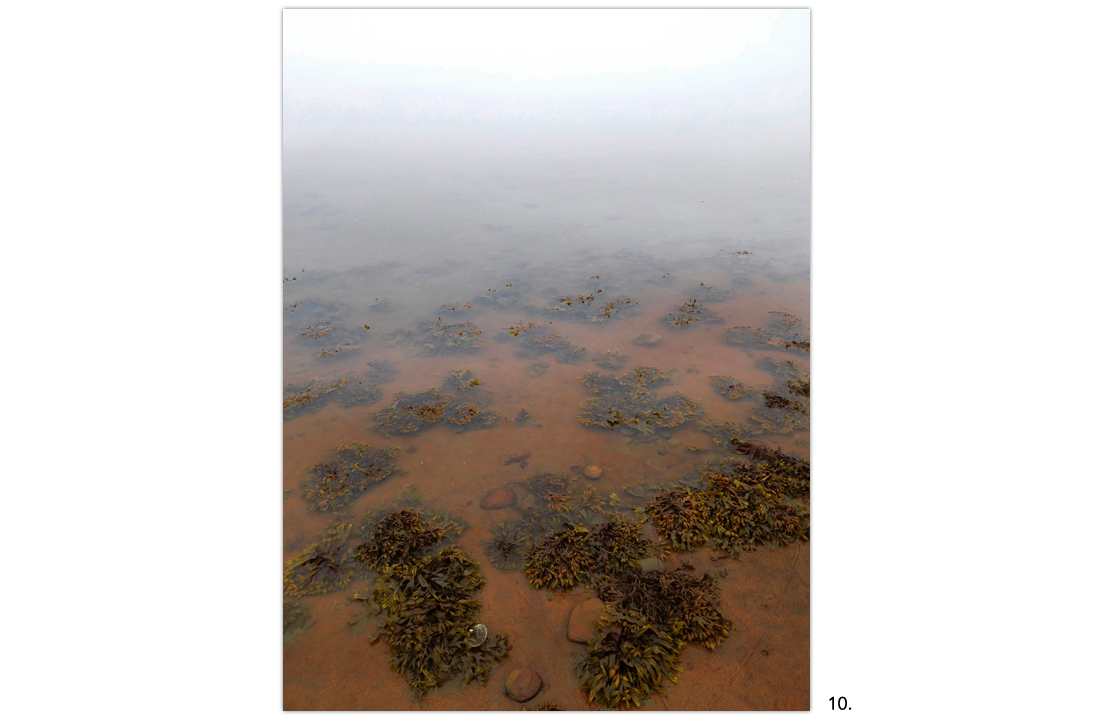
(404, 231)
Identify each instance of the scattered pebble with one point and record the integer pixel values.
(522, 685)
(498, 499)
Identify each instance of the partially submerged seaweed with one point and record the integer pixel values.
(783, 331)
(460, 380)
(327, 565)
(617, 546)
(470, 416)
(300, 399)
(356, 467)
(559, 561)
(410, 413)
(431, 619)
(731, 387)
(397, 538)
(739, 506)
(692, 311)
(628, 660)
(505, 549)
(625, 400)
(609, 360)
(575, 554)
(437, 338)
(534, 338)
(296, 619)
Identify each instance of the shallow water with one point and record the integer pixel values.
(486, 232)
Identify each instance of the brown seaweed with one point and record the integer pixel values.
(692, 311)
(327, 565)
(355, 467)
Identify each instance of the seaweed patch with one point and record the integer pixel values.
(627, 400)
(431, 626)
(355, 467)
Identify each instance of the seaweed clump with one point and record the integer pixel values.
(617, 546)
(559, 561)
(327, 565)
(690, 312)
(470, 416)
(627, 400)
(348, 390)
(730, 387)
(648, 619)
(574, 554)
(739, 508)
(505, 550)
(410, 413)
(356, 467)
(460, 380)
(300, 399)
(679, 515)
(397, 538)
(429, 608)
(783, 331)
(534, 338)
(440, 339)
(625, 665)
(609, 360)
(323, 326)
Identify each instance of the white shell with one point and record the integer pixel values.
(478, 635)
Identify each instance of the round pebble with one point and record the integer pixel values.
(592, 472)
(522, 685)
(498, 499)
(662, 451)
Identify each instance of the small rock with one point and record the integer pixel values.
(498, 499)
(522, 685)
(651, 564)
(582, 620)
(674, 443)
(575, 469)
(662, 451)
(592, 472)
(523, 464)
